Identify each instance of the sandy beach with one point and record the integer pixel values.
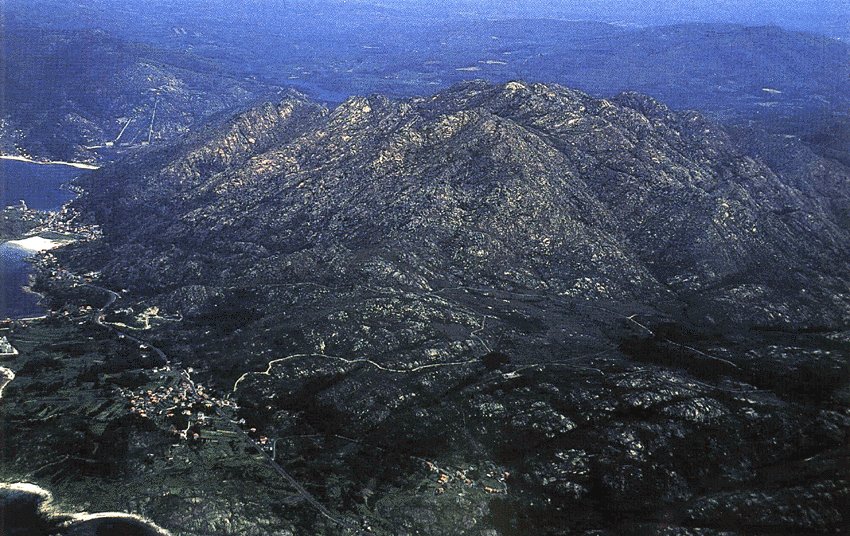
(78, 165)
(37, 243)
(6, 376)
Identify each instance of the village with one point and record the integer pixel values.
(187, 410)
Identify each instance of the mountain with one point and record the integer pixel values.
(515, 185)
(501, 309)
(83, 95)
(789, 82)
(730, 71)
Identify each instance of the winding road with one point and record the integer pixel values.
(98, 318)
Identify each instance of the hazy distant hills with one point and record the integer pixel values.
(734, 71)
(70, 89)
(69, 95)
(829, 17)
(728, 70)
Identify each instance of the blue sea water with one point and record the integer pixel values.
(42, 187)
(15, 301)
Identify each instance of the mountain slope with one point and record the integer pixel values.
(513, 185)
(503, 309)
(83, 94)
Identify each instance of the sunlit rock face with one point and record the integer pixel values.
(516, 185)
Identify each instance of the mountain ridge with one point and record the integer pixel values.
(85, 95)
(592, 154)
(502, 309)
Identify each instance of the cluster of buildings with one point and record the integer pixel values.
(20, 213)
(186, 407)
(494, 482)
(65, 222)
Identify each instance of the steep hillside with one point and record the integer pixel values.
(517, 186)
(87, 96)
(500, 310)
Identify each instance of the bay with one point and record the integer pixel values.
(41, 187)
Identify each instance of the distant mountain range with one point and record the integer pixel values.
(87, 96)
(788, 82)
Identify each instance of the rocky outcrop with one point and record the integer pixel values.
(502, 309)
(518, 186)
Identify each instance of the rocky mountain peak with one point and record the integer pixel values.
(614, 283)
(482, 180)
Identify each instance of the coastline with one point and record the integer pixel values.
(31, 318)
(27, 245)
(6, 377)
(78, 165)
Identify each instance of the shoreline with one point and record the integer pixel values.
(42, 505)
(31, 318)
(27, 289)
(78, 165)
(6, 377)
(36, 244)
